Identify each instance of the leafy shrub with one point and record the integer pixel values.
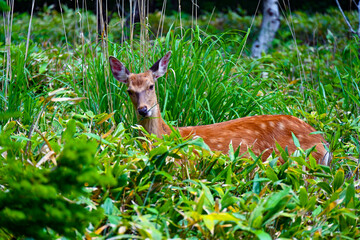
(40, 203)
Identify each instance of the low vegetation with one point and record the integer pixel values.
(73, 165)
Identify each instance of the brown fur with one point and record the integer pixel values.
(260, 133)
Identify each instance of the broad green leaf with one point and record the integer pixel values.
(108, 206)
(196, 142)
(325, 186)
(148, 229)
(329, 208)
(208, 193)
(335, 139)
(228, 199)
(10, 126)
(220, 217)
(282, 152)
(200, 203)
(211, 219)
(21, 138)
(276, 203)
(350, 196)
(303, 197)
(90, 114)
(256, 184)
(194, 215)
(229, 173)
(275, 198)
(301, 161)
(338, 180)
(220, 191)
(311, 203)
(296, 141)
(103, 118)
(326, 169)
(323, 175)
(169, 204)
(80, 117)
(42, 68)
(209, 223)
(113, 219)
(199, 142)
(271, 174)
(348, 213)
(256, 216)
(335, 196)
(119, 130)
(231, 152)
(257, 222)
(158, 151)
(98, 138)
(312, 161)
(317, 211)
(354, 98)
(70, 130)
(262, 235)
(165, 174)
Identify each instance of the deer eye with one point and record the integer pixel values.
(151, 87)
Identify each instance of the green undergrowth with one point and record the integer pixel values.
(73, 165)
(167, 188)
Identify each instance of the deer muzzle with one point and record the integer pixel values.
(143, 111)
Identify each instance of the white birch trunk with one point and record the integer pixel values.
(270, 24)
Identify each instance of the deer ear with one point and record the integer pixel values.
(119, 70)
(159, 68)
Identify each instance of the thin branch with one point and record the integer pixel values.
(354, 3)
(346, 19)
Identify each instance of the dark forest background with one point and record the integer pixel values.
(186, 6)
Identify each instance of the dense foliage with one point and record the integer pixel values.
(73, 165)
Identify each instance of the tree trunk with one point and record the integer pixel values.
(270, 24)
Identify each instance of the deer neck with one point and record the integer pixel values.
(155, 124)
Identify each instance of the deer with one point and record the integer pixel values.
(259, 133)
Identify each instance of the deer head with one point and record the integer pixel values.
(141, 87)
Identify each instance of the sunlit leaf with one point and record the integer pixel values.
(104, 118)
(262, 235)
(296, 141)
(338, 180)
(271, 174)
(303, 197)
(325, 186)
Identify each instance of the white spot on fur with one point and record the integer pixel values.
(249, 132)
(212, 140)
(281, 126)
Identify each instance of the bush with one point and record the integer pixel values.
(42, 203)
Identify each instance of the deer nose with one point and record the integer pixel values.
(143, 111)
